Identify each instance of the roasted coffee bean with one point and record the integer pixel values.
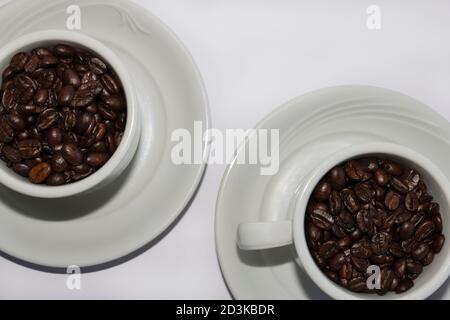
(21, 169)
(15, 121)
(364, 220)
(337, 178)
(350, 200)
(411, 201)
(408, 245)
(366, 212)
(337, 261)
(11, 153)
(64, 51)
(392, 200)
(18, 61)
(71, 78)
(47, 119)
(322, 191)
(116, 103)
(322, 219)
(413, 266)
(420, 251)
(110, 83)
(360, 264)
(380, 243)
(65, 95)
(393, 168)
(96, 159)
(313, 232)
(29, 148)
(84, 120)
(328, 249)
(56, 179)
(387, 276)
(58, 163)
(428, 258)
(6, 132)
(399, 185)
(424, 230)
(97, 66)
(404, 285)
(54, 136)
(73, 155)
(438, 243)
(361, 249)
(406, 230)
(39, 173)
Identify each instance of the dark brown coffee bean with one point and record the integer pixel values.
(313, 232)
(392, 200)
(380, 243)
(408, 245)
(420, 251)
(424, 230)
(400, 267)
(337, 178)
(54, 136)
(56, 179)
(413, 266)
(82, 98)
(97, 66)
(387, 276)
(8, 73)
(328, 249)
(32, 64)
(47, 119)
(29, 148)
(438, 243)
(361, 249)
(19, 60)
(39, 173)
(404, 285)
(357, 284)
(322, 191)
(363, 192)
(322, 219)
(350, 200)
(71, 78)
(406, 230)
(115, 103)
(346, 271)
(411, 201)
(72, 154)
(381, 177)
(110, 83)
(359, 264)
(65, 95)
(337, 261)
(11, 153)
(396, 250)
(58, 163)
(364, 220)
(354, 171)
(110, 115)
(96, 159)
(84, 120)
(393, 168)
(6, 132)
(49, 61)
(428, 258)
(64, 51)
(21, 169)
(337, 231)
(15, 121)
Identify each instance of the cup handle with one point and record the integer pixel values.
(264, 235)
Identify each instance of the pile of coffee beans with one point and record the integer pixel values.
(62, 114)
(373, 212)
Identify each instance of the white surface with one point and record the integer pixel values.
(253, 56)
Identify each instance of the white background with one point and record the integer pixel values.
(255, 55)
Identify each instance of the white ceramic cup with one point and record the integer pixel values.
(271, 234)
(126, 149)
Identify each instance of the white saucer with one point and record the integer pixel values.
(148, 197)
(319, 122)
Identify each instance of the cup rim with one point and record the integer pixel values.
(334, 290)
(20, 184)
